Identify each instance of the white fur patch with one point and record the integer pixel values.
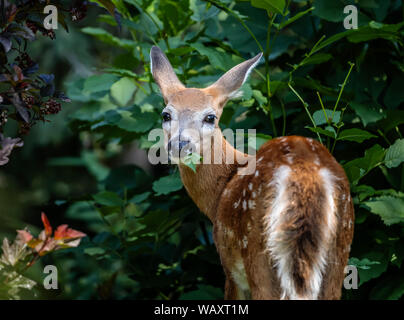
(239, 275)
(280, 252)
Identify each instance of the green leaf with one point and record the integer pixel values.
(108, 38)
(395, 154)
(274, 6)
(135, 121)
(122, 91)
(320, 118)
(363, 264)
(201, 12)
(367, 113)
(93, 251)
(192, 160)
(391, 288)
(168, 184)
(219, 60)
(355, 134)
(99, 83)
(358, 168)
(390, 209)
(328, 131)
(109, 199)
(317, 58)
(294, 18)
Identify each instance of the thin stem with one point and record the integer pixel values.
(384, 137)
(218, 5)
(338, 129)
(268, 80)
(305, 105)
(398, 132)
(342, 88)
(322, 106)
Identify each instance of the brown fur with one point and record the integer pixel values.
(238, 230)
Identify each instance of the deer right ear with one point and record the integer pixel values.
(228, 85)
(163, 73)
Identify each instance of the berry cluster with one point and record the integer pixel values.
(51, 107)
(3, 117)
(79, 11)
(24, 61)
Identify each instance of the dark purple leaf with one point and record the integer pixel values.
(19, 105)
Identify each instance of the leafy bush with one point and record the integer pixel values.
(342, 87)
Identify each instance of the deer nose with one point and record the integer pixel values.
(182, 144)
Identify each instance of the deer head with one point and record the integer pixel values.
(191, 115)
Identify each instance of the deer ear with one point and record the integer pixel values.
(228, 85)
(163, 73)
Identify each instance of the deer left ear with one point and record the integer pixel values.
(228, 85)
(163, 73)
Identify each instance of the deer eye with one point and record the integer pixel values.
(210, 118)
(166, 116)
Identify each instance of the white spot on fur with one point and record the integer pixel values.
(249, 226)
(317, 161)
(257, 173)
(289, 159)
(239, 275)
(251, 204)
(236, 204)
(250, 186)
(254, 194)
(260, 159)
(244, 193)
(226, 192)
(245, 242)
(244, 205)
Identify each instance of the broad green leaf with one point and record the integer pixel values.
(320, 118)
(135, 121)
(273, 6)
(122, 91)
(168, 184)
(358, 168)
(99, 82)
(108, 38)
(390, 209)
(395, 154)
(328, 131)
(355, 134)
(217, 59)
(107, 198)
(367, 113)
(201, 10)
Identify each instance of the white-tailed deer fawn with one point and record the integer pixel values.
(282, 232)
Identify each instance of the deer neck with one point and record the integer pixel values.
(205, 186)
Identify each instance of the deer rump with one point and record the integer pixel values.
(300, 228)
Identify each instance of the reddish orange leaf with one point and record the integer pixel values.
(48, 227)
(24, 235)
(63, 232)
